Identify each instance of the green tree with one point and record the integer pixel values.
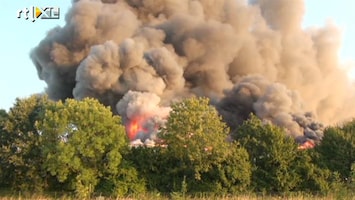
(84, 148)
(3, 134)
(198, 153)
(3, 117)
(153, 165)
(272, 155)
(21, 145)
(337, 149)
(314, 179)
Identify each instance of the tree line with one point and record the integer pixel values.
(81, 147)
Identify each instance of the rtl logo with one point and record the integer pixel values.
(35, 13)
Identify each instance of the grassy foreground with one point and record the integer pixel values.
(6, 195)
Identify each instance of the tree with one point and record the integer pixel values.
(153, 165)
(314, 179)
(337, 149)
(196, 143)
(3, 116)
(21, 145)
(272, 155)
(3, 134)
(84, 148)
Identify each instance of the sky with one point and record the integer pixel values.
(19, 76)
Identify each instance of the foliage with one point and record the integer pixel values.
(352, 178)
(80, 146)
(153, 167)
(84, 146)
(337, 149)
(273, 156)
(314, 179)
(126, 182)
(3, 116)
(196, 143)
(3, 135)
(21, 145)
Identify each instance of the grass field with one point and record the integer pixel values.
(5, 195)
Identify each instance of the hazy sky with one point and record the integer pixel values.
(19, 36)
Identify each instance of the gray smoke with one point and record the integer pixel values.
(246, 56)
(272, 102)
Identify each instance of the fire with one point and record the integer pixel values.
(309, 144)
(132, 128)
(135, 127)
(144, 126)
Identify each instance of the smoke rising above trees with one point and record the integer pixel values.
(245, 56)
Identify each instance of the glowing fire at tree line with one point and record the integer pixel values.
(136, 131)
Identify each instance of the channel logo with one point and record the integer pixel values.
(35, 13)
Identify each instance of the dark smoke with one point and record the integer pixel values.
(272, 102)
(246, 56)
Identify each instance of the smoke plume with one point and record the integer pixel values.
(245, 56)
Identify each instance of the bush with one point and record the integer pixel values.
(21, 142)
(84, 147)
(273, 156)
(197, 152)
(314, 179)
(337, 149)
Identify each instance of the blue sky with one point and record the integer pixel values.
(19, 76)
(19, 36)
(342, 13)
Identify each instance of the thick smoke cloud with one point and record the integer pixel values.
(272, 102)
(246, 56)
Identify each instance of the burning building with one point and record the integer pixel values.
(138, 56)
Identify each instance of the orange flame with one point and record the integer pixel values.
(134, 127)
(309, 144)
